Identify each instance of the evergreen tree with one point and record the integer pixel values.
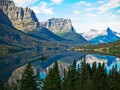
(114, 79)
(28, 79)
(53, 81)
(2, 86)
(70, 79)
(100, 77)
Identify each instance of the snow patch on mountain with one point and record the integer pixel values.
(101, 36)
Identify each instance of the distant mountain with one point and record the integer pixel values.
(104, 36)
(56, 30)
(64, 28)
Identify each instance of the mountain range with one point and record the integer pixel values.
(20, 27)
(103, 36)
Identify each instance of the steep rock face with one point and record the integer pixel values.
(58, 26)
(22, 19)
(64, 28)
(4, 19)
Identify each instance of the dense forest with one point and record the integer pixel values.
(108, 48)
(76, 77)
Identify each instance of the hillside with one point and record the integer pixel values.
(109, 48)
(64, 28)
(11, 36)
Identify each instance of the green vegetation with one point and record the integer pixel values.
(2, 86)
(109, 48)
(61, 33)
(28, 79)
(84, 77)
(52, 81)
(80, 77)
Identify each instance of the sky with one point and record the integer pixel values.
(84, 14)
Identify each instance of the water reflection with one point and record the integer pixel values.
(109, 61)
(12, 62)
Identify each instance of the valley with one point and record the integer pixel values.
(54, 47)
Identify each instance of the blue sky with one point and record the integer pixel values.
(85, 14)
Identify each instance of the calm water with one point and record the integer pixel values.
(11, 62)
(109, 61)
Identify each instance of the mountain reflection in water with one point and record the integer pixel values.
(11, 62)
(109, 61)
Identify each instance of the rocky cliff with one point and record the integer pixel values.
(64, 28)
(22, 18)
(58, 26)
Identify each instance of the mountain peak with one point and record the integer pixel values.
(108, 29)
(101, 36)
(110, 32)
(22, 18)
(59, 25)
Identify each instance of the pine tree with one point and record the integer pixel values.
(70, 78)
(114, 79)
(53, 81)
(28, 79)
(2, 86)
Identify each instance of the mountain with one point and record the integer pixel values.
(23, 19)
(104, 36)
(63, 28)
(58, 26)
(11, 36)
(4, 19)
(26, 21)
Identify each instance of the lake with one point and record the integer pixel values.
(10, 63)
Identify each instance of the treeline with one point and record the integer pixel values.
(80, 77)
(84, 77)
(108, 48)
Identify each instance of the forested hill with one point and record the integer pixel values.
(108, 48)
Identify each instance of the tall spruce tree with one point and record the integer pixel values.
(53, 80)
(70, 78)
(114, 79)
(28, 79)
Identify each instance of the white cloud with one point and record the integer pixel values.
(43, 8)
(111, 4)
(83, 3)
(91, 15)
(24, 3)
(113, 16)
(57, 1)
(90, 9)
(98, 26)
(118, 11)
(76, 12)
